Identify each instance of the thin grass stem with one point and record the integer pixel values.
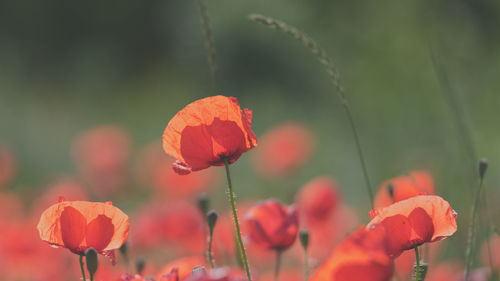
(327, 64)
(209, 41)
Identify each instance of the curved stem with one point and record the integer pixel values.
(278, 265)
(81, 267)
(209, 41)
(328, 65)
(236, 222)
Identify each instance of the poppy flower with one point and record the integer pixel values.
(183, 266)
(218, 274)
(101, 156)
(362, 256)
(79, 225)
(318, 199)
(207, 132)
(283, 149)
(272, 225)
(414, 221)
(7, 166)
(155, 170)
(177, 225)
(325, 235)
(66, 188)
(403, 187)
(494, 243)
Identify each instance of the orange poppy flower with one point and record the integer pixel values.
(362, 256)
(403, 187)
(283, 149)
(208, 131)
(272, 225)
(414, 221)
(79, 225)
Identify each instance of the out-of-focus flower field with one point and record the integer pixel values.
(126, 153)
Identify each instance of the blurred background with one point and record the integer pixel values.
(67, 67)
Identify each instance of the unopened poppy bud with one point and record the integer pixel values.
(390, 190)
(140, 264)
(483, 166)
(124, 250)
(212, 219)
(203, 202)
(422, 271)
(91, 258)
(304, 238)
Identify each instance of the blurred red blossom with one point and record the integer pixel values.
(218, 274)
(207, 132)
(283, 149)
(101, 156)
(7, 165)
(184, 267)
(272, 225)
(317, 200)
(495, 252)
(362, 256)
(414, 221)
(79, 225)
(177, 225)
(403, 187)
(155, 170)
(66, 188)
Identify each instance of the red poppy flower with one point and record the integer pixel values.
(183, 266)
(495, 252)
(208, 131)
(415, 221)
(218, 274)
(7, 166)
(362, 256)
(318, 199)
(79, 225)
(178, 226)
(403, 187)
(272, 225)
(101, 155)
(155, 170)
(283, 149)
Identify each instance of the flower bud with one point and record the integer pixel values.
(212, 219)
(483, 166)
(91, 258)
(304, 238)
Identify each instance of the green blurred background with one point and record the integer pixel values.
(66, 66)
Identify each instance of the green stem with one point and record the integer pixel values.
(278, 264)
(306, 265)
(210, 242)
(328, 65)
(81, 267)
(417, 266)
(472, 230)
(236, 222)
